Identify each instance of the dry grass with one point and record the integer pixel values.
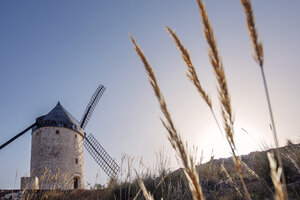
(174, 137)
(212, 170)
(259, 58)
(146, 194)
(218, 183)
(223, 169)
(258, 47)
(293, 160)
(223, 92)
(192, 74)
(253, 173)
(275, 175)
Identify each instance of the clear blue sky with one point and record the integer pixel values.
(61, 50)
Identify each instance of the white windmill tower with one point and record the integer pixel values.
(57, 160)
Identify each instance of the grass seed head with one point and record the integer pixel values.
(173, 136)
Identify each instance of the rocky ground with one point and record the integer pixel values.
(12, 194)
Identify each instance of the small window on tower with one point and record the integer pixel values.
(75, 136)
(57, 131)
(76, 160)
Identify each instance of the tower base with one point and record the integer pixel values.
(29, 183)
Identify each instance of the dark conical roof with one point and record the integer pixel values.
(58, 117)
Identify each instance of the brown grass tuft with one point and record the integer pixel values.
(173, 136)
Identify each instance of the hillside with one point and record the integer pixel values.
(217, 185)
(216, 182)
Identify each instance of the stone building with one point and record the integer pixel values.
(56, 152)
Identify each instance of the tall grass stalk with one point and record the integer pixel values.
(292, 161)
(230, 180)
(275, 175)
(259, 58)
(146, 193)
(192, 74)
(224, 96)
(174, 137)
(137, 194)
(253, 173)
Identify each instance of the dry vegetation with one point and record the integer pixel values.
(218, 179)
(253, 176)
(277, 174)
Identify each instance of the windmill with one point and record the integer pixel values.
(57, 149)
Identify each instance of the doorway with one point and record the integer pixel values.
(75, 183)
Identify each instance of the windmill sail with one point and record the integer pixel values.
(109, 166)
(14, 138)
(91, 106)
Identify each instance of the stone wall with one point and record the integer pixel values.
(29, 183)
(57, 158)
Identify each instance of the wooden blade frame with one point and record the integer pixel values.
(109, 166)
(14, 138)
(91, 106)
